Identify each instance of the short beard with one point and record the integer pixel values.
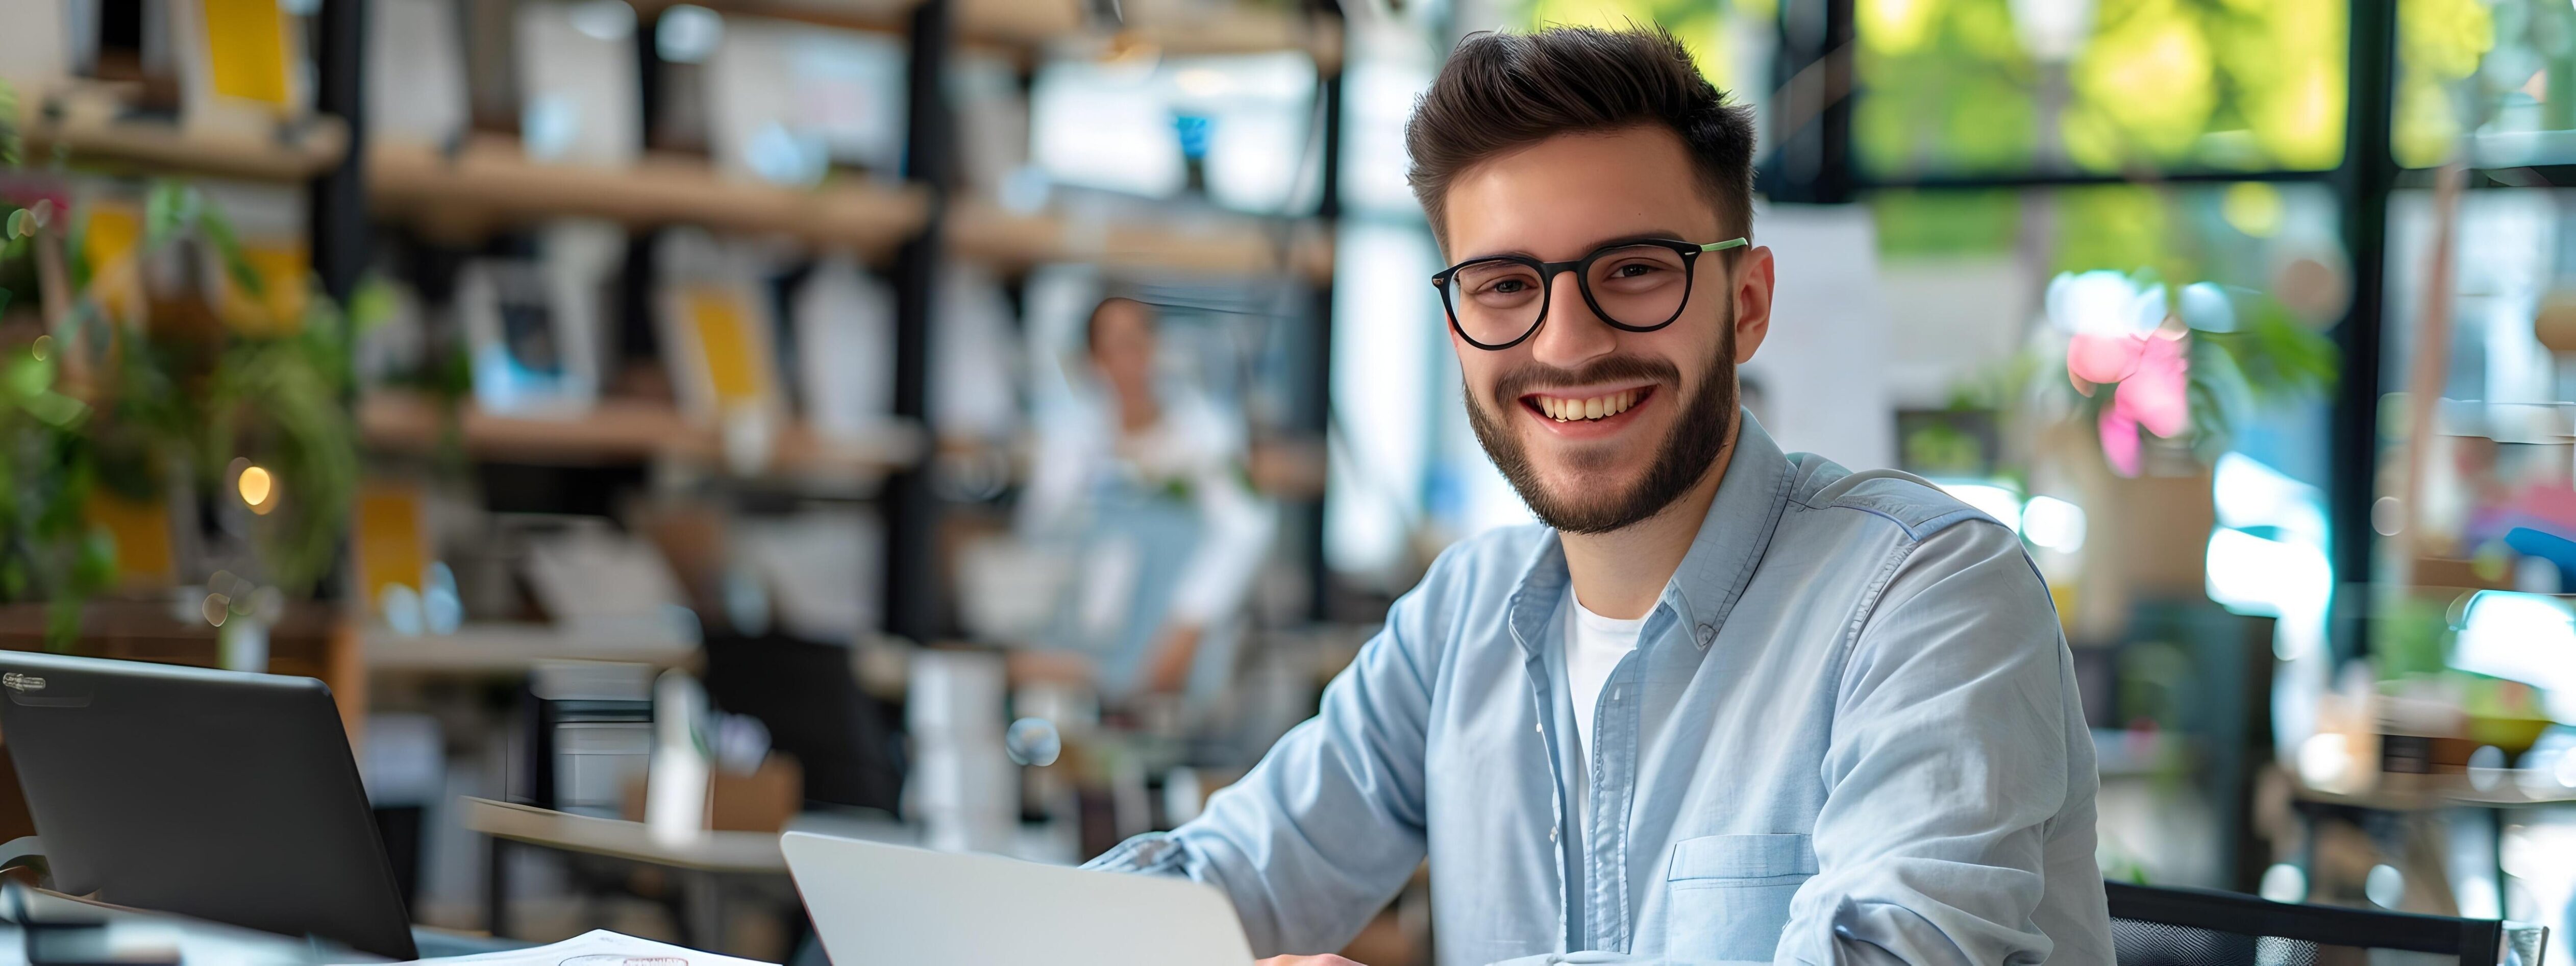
(1699, 434)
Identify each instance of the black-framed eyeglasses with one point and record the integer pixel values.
(1638, 286)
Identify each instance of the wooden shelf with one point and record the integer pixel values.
(1231, 32)
(984, 232)
(624, 431)
(492, 182)
(292, 153)
(1058, 24)
(504, 649)
(1024, 27)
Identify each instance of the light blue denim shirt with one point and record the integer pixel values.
(1849, 733)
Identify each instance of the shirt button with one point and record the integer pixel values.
(1540, 728)
(1705, 633)
(1551, 835)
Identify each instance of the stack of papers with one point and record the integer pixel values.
(599, 947)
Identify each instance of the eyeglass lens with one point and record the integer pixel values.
(1639, 286)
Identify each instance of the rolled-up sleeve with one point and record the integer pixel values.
(1323, 832)
(1948, 761)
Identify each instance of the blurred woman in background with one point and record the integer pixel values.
(1149, 474)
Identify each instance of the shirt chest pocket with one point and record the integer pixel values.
(1727, 896)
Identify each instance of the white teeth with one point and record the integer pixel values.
(1597, 407)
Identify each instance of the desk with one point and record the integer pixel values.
(2435, 818)
(199, 941)
(705, 860)
(735, 852)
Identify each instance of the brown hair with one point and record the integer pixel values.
(1500, 92)
(1091, 324)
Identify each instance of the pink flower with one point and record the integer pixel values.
(2120, 446)
(2093, 360)
(2116, 336)
(2154, 397)
(2158, 394)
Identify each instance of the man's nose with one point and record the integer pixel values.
(1572, 334)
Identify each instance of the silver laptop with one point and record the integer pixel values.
(878, 903)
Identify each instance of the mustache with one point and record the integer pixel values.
(1522, 380)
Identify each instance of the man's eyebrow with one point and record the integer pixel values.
(1652, 234)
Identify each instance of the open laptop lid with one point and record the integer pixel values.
(225, 796)
(878, 903)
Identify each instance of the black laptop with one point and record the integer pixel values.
(226, 796)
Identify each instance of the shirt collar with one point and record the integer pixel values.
(1721, 559)
(1735, 533)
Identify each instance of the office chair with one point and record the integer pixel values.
(2194, 927)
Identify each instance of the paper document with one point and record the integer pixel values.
(600, 947)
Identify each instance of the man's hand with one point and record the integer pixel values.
(1305, 961)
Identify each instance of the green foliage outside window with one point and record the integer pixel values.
(1953, 86)
(2504, 71)
(1701, 25)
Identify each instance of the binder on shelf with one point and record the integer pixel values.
(36, 50)
(844, 349)
(416, 81)
(578, 95)
(717, 342)
(786, 101)
(241, 63)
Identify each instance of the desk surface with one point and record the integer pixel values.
(2507, 791)
(198, 941)
(710, 852)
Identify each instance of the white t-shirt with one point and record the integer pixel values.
(1593, 646)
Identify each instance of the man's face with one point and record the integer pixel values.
(1557, 201)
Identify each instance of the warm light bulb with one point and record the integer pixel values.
(257, 486)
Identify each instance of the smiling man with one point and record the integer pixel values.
(1728, 704)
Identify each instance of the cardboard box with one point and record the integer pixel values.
(761, 801)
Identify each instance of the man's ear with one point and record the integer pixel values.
(1753, 286)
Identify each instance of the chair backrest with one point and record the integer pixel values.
(2195, 927)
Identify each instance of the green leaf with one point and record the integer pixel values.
(10, 143)
(94, 565)
(21, 224)
(76, 255)
(167, 209)
(55, 409)
(29, 376)
(372, 305)
(218, 232)
(63, 624)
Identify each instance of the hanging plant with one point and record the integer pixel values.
(93, 407)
